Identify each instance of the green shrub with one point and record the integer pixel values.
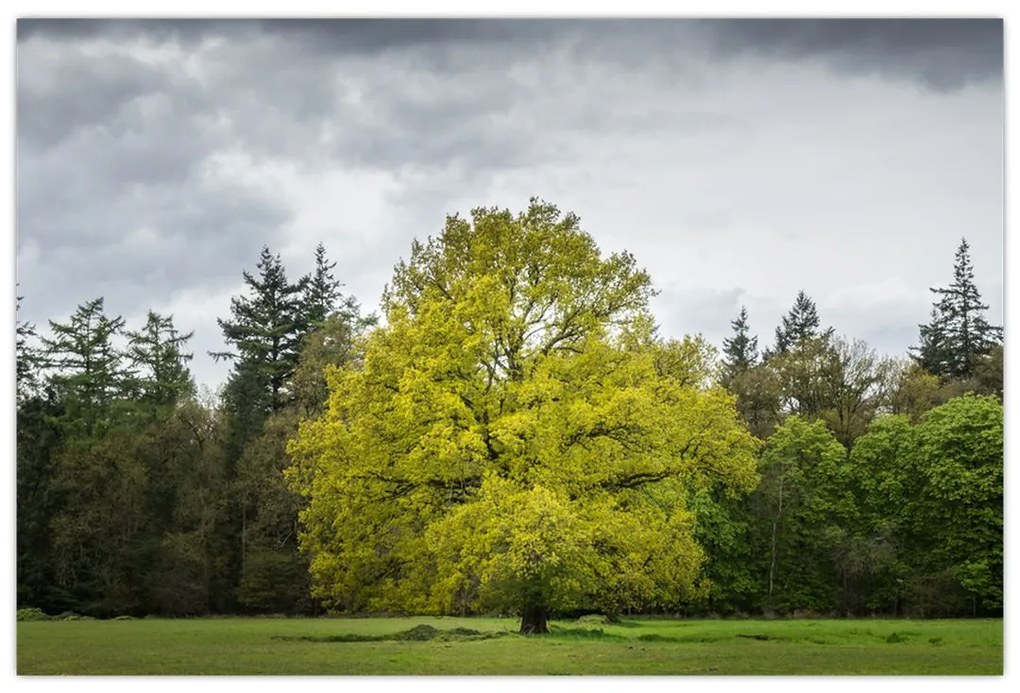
(33, 614)
(71, 616)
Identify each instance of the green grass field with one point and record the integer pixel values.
(243, 646)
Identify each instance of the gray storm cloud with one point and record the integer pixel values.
(941, 54)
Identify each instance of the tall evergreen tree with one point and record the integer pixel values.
(264, 331)
(740, 351)
(273, 575)
(952, 344)
(933, 352)
(158, 351)
(321, 296)
(88, 370)
(799, 324)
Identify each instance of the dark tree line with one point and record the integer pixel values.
(880, 480)
(137, 496)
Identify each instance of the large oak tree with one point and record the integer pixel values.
(515, 438)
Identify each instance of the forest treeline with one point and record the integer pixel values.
(876, 489)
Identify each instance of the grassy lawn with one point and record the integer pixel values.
(240, 646)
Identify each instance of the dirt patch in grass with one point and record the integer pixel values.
(583, 633)
(420, 633)
(900, 636)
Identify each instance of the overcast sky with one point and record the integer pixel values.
(739, 160)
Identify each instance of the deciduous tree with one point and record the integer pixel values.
(841, 382)
(960, 460)
(509, 441)
(803, 496)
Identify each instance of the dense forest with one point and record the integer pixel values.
(512, 436)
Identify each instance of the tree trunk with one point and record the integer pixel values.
(775, 528)
(244, 538)
(533, 620)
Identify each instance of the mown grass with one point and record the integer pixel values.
(489, 646)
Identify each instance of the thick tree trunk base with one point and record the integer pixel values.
(533, 621)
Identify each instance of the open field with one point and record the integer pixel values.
(242, 646)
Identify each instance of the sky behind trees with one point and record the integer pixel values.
(739, 160)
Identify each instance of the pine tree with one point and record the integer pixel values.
(88, 371)
(799, 324)
(958, 336)
(321, 296)
(741, 350)
(157, 349)
(933, 352)
(747, 376)
(265, 331)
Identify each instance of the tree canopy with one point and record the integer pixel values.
(515, 437)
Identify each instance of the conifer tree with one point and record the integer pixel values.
(157, 349)
(799, 324)
(321, 296)
(933, 352)
(740, 351)
(88, 371)
(958, 335)
(264, 332)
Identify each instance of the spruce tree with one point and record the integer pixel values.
(265, 332)
(157, 350)
(958, 336)
(933, 352)
(800, 324)
(88, 373)
(741, 350)
(321, 296)
(271, 573)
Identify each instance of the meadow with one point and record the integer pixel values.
(490, 646)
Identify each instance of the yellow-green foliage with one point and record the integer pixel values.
(515, 435)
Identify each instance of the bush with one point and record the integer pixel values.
(33, 614)
(71, 616)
